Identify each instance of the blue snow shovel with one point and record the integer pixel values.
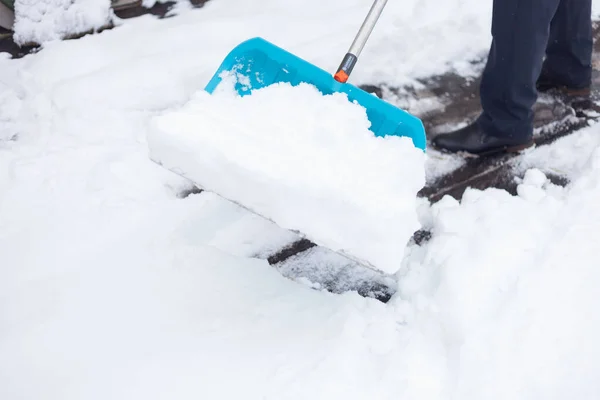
(260, 64)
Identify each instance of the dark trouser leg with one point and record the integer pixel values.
(569, 53)
(520, 30)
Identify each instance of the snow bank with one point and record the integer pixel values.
(512, 282)
(306, 161)
(40, 21)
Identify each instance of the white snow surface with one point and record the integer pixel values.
(41, 21)
(111, 286)
(306, 161)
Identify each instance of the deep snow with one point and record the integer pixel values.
(111, 286)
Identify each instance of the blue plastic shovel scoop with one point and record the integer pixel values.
(260, 64)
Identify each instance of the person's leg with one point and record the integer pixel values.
(520, 36)
(569, 53)
(520, 30)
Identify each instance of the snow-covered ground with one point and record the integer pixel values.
(113, 286)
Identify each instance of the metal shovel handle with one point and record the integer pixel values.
(350, 59)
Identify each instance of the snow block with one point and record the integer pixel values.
(304, 160)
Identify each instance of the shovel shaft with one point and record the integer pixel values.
(360, 40)
(367, 27)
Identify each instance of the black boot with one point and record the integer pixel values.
(567, 69)
(472, 139)
(578, 97)
(550, 85)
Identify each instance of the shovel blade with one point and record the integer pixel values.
(258, 63)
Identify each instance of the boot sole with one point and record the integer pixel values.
(505, 150)
(566, 93)
(496, 151)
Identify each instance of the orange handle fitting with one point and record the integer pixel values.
(341, 76)
(359, 41)
(345, 68)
